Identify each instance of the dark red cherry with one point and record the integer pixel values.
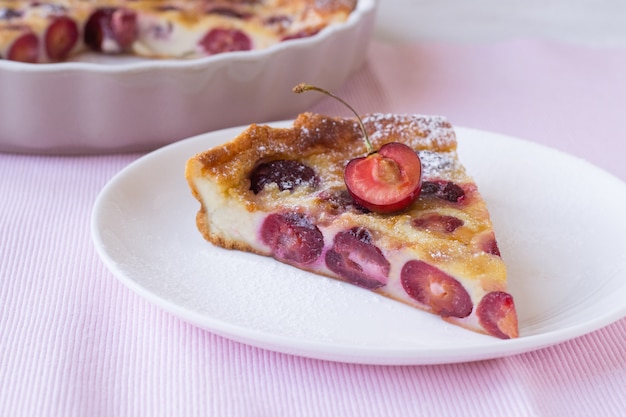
(287, 174)
(113, 29)
(24, 49)
(125, 29)
(386, 181)
(98, 28)
(292, 237)
(445, 190)
(61, 36)
(434, 288)
(355, 258)
(220, 40)
(496, 313)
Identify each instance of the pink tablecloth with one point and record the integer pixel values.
(76, 342)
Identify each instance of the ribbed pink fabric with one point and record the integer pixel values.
(76, 342)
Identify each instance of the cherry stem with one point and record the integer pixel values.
(302, 87)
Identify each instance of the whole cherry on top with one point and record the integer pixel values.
(384, 181)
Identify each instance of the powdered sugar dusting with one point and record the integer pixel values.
(438, 164)
(418, 131)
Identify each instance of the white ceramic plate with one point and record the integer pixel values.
(560, 227)
(112, 104)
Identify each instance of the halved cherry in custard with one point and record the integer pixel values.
(445, 190)
(496, 313)
(111, 29)
(220, 40)
(292, 237)
(287, 174)
(356, 258)
(384, 181)
(434, 288)
(25, 48)
(61, 36)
